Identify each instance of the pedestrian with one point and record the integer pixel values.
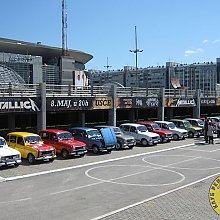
(206, 129)
(217, 128)
(210, 133)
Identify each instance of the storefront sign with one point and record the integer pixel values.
(180, 102)
(207, 101)
(14, 104)
(102, 103)
(65, 103)
(137, 102)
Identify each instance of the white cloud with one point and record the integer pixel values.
(190, 52)
(205, 41)
(215, 41)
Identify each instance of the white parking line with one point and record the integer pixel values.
(154, 197)
(94, 163)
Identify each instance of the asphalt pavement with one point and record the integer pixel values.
(167, 181)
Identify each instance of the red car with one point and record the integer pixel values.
(165, 135)
(63, 142)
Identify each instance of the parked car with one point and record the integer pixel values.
(192, 130)
(95, 140)
(140, 133)
(123, 140)
(165, 135)
(30, 146)
(63, 142)
(196, 122)
(177, 132)
(8, 155)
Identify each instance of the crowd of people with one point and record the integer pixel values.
(209, 131)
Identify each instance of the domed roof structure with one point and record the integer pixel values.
(8, 75)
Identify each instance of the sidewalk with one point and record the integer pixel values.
(190, 203)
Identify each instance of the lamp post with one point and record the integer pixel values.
(136, 51)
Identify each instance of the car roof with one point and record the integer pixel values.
(164, 122)
(23, 134)
(132, 124)
(146, 122)
(83, 128)
(56, 131)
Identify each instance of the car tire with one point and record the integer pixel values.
(64, 154)
(131, 147)
(144, 142)
(175, 137)
(118, 146)
(190, 134)
(109, 151)
(51, 160)
(95, 149)
(31, 158)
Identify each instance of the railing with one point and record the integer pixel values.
(33, 90)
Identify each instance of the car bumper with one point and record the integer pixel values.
(10, 162)
(45, 157)
(76, 153)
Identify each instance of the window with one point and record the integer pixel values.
(125, 128)
(12, 139)
(20, 141)
(44, 135)
(133, 129)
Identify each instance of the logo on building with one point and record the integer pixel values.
(103, 103)
(214, 195)
(19, 105)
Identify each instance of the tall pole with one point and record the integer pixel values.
(107, 66)
(136, 51)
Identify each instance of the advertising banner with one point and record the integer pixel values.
(20, 104)
(137, 102)
(179, 102)
(207, 101)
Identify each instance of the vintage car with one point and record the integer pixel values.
(165, 135)
(63, 142)
(140, 133)
(8, 155)
(95, 140)
(177, 132)
(30, 146)
(123, 140)
(192, 130)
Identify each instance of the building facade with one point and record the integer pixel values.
(195, 76)
(37, 63)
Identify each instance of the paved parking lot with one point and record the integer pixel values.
(163, 182)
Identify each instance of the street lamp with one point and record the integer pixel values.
(136, 51)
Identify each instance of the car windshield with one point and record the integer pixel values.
(117, 130)
(65, 136)
(94, 134)
(142, 128)
(2, 142)
(200, 122)
(32, 139)
(171, 125)
(187, 124)
(155, 126)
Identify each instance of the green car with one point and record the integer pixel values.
(193, 131)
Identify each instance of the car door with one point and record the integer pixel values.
(133, 132)
(126, 129)
(20, 146)
(11, 139)
(53, 141)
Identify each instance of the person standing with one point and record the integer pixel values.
(210, 133)
(206, 129)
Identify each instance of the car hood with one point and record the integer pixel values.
(150, 134)
(72, 142)
(7, 151)
(41, 146)
(179, 130)
(195, 128)
(162, 131)
(124, 136)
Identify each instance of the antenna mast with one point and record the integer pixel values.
(64, 28)
(107, 65)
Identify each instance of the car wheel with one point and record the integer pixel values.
(31, 159)
(130, 147)
(175, 137)
(190, 134)
(109, 151)
(95, 149)
(64, 153)
(118, 146)
(51, 160)
(144, 142)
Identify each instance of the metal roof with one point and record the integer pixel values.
(38, 49)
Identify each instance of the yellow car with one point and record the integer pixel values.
(30, 146)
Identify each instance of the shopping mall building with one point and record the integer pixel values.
(32, 63)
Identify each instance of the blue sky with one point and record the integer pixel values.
(184, 31)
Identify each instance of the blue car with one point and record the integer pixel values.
(103, 140)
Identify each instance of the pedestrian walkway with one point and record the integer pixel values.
(190, 203)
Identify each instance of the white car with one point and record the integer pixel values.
(178, 133)
(8, 155)
(140, 133)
